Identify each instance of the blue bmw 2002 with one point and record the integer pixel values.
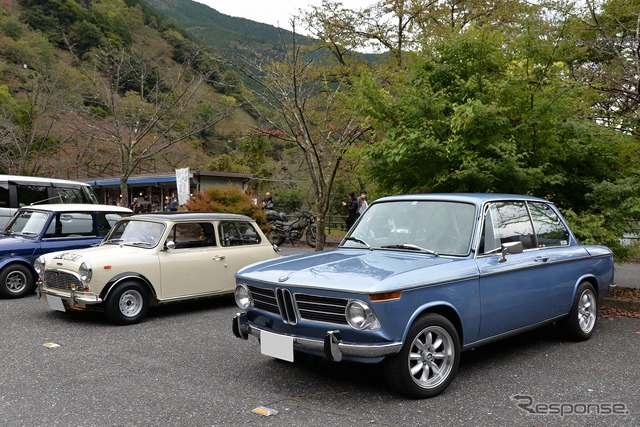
(420, 278)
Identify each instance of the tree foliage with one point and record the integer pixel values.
(227, 199)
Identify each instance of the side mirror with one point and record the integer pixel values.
(170, 245)
(510, 248)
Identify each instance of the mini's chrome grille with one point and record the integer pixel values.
(291, 306)
(60, 280)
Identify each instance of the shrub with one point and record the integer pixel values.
(227, 199)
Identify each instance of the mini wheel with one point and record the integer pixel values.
(127, 303)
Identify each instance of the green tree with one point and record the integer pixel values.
(486, 112)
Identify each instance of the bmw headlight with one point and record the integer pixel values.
(38, 265)
(361, 316)
(243, 297)
(85, 272)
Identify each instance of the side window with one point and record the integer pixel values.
(4, 195)
(193, 235)
(69, 195)
(28, 194)
(106, 220)
(237, 233)
(70, 224)
(550, 230)
(507, 222)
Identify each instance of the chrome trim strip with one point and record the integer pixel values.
(510, 333)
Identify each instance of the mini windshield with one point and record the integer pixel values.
(28, 223)
(436, 227)
(136, 233)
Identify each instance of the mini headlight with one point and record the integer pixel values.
(361, 316)
(85, 272)
(38, 265)
(243, 297)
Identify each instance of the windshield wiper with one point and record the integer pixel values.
(28, 233)
(355, 239)
(139, 243)
(113, 241)
(410, 246)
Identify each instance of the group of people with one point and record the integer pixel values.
(140, 207)
(355, 207)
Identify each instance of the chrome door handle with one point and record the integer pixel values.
(541, 259)
(218, 257)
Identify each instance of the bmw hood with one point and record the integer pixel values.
(357, 270)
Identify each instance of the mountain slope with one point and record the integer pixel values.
(227, 33)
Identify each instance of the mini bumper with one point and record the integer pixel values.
(331, 346)
(73, 297)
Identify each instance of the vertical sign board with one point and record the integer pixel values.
(182, 182)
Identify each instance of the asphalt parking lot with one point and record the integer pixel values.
(183, 367)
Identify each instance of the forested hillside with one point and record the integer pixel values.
(109, 88)
(228, 34)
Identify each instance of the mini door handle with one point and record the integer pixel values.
(218, 257)
(541, 259)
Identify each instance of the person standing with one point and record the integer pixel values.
(352, 209)
(267, 203)
(135, 205)
(362, 203)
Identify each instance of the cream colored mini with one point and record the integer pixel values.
(152, 259)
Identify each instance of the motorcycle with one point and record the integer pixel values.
(281, 229)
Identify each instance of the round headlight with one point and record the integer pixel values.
(85, 272)
(243, 297)
(361, 316)
(38, 265)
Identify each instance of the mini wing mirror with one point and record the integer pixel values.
(510, 248)
(170, 245)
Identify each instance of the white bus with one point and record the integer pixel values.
(18, 191)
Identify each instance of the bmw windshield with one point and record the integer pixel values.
(436, 227)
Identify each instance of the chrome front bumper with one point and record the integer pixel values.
(331, 346)
(74, 298)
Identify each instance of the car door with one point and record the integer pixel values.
(69, 230)
(514, 290)
(563, 259)
(241, 245)
(196, 266)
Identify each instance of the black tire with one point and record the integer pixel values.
(581, 321)
(432, 352)
(127, 303)
(275, 237)
(312, 235)
(16, 281)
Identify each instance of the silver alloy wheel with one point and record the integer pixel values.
(130, 303)
(587, 311)
(16, 281)
(431, 357)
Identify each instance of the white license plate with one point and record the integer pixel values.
(278, 346)
(55, 303)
